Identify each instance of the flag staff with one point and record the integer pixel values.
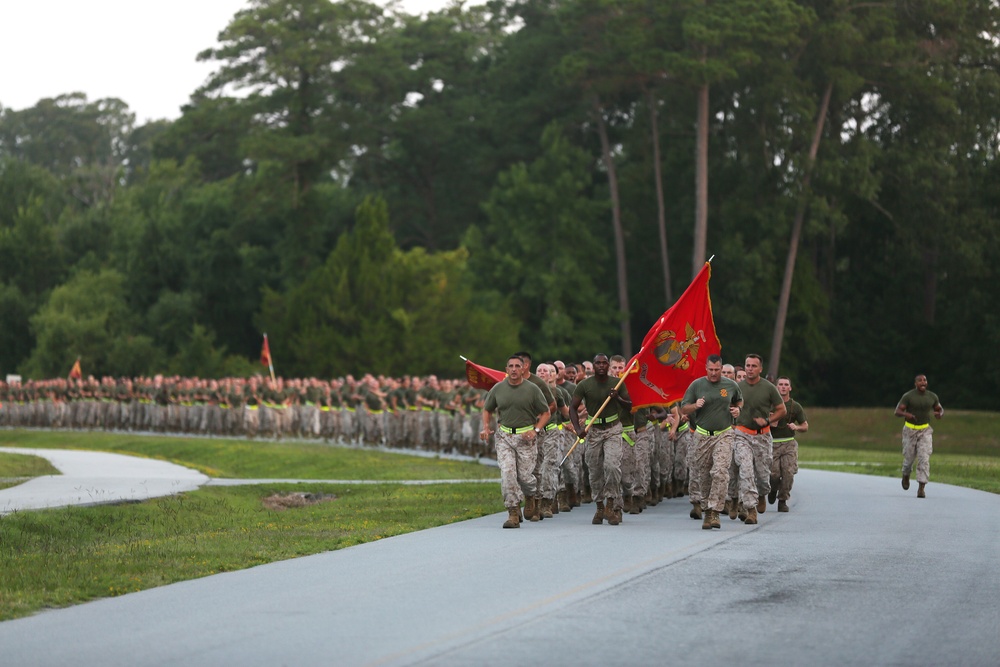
(270, 363)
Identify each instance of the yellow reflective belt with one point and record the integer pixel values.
(516, 431)
(777, 440)
(551, 427)
(627, 438)
(916, 427)
(707, 432)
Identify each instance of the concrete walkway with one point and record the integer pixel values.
(94, 478)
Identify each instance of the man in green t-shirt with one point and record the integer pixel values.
(711, 402)
(522, 413)
(916, 407)
(603, 433)
(785, 451)
(762, 405)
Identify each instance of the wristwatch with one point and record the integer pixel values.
(538, 430)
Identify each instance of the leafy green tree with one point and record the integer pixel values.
(542, 248)
(87, 317)
(373, 307)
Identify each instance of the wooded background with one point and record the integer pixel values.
(382, 192)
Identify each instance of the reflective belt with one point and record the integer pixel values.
(705, 431)
(515, 431)
(552, 427)
(626, 430)
(375, 412)
(780, 440)
(916, 427)
(602, 420)
(754, 431)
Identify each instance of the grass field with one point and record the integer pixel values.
(60, 557)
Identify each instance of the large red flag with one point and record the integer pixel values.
(76, 373)
(482, 377)
(265, 353)
(673, 353)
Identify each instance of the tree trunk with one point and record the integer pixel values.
(774, 362)
(701, 185)
(660, 203)
(616, 223)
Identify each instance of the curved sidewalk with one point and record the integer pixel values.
(97, 478)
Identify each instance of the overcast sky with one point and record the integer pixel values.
(140, 51)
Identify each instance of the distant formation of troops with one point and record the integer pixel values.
(409, 412)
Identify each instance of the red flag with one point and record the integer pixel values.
(265, 353)
(673, 353)
(481, 377)
(75, 372)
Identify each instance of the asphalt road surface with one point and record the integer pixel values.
(858, 573)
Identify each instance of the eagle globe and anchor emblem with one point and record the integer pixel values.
(671, 350)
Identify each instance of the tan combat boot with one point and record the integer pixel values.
(574, 499)
(761, 505)
(906, 482)
(614, 514)
(636, 505)
(782, 506)
(715, 519)
(545, 510)
(599, 514)
(751, 517)
(563, 499)
(695, 511)
(513, 518)
(531, 509)
(707, 523)
(920, 490)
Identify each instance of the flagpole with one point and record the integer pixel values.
(270, 360)
(580, 438)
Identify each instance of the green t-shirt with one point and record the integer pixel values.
(794, 414)
(516, 406)
(758, 401)
(593, 394)
(921, 405)
(546, 390)
(719, 396)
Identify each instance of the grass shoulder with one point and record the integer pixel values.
(18, 468)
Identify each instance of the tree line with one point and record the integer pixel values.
(383, 192)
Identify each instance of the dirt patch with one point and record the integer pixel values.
(279, 502)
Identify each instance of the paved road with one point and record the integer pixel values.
(858, 573)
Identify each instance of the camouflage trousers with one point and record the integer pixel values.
(761, 448)
(918, 444)
(635, 463)
(572, 469)
(742, 484)
(604, 462)
(549, 446)
(784, 465)
(712, 457)
(685, 443)
(516, 458)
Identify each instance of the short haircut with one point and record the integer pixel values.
(599, 354)
(713, 359)
(523, 355)
(757, 357)
(617, 357)
(515, 356)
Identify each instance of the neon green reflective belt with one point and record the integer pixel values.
(707, 432)
(516, 431)
(628, 438)
(916, 427)
(552, 427)
(778, 440)
(603, 420)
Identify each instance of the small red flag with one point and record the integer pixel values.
(265, 353)
(75, 372)
(481, 377)
(673, 352)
